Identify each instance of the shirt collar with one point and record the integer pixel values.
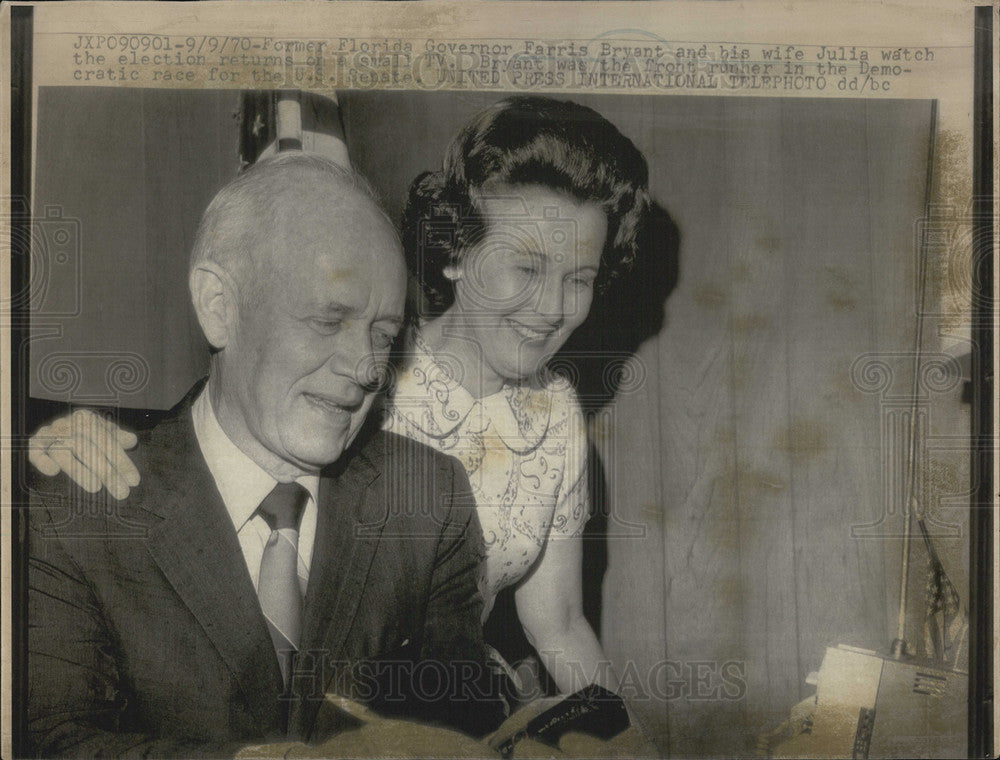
(430, 399)
(242, 483)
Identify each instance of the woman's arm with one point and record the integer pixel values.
(89, 449)
(550, 607)
(550, 598)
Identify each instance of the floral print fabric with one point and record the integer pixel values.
(524, 449)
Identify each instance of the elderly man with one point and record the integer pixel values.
(272, 555)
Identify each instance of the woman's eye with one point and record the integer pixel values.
(582, 282)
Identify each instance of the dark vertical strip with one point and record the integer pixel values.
(258, 126)
(20, 263)
(981, 522)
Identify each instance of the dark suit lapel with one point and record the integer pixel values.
(196, 548)
(350, 516)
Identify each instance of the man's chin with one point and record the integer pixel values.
(315, 459)
(323, 448)
(319, 439)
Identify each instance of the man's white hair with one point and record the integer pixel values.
(250, 208)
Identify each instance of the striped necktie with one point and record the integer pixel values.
(278, 583)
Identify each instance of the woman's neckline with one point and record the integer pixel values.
(420, 343)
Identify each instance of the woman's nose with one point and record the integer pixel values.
(551, 301)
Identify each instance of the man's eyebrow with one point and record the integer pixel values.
(337, 308)
(333, 307)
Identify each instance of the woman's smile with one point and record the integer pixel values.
(531, 334)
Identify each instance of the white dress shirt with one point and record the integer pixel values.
(243, 486)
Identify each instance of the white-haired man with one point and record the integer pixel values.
(280, 556)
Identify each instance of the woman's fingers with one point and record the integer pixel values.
(125, 439)
(54, 448)
(89, 445)
(113, 442)
(90, 449)
(38, 453)
(74, 468)
(125, 469)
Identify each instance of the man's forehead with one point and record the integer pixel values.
(333, 259)
(331, 269)
(340, 248)
(334, 225)
(325, 209)
(330, 236)
(352, 290)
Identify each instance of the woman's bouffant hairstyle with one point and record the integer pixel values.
(524, 140)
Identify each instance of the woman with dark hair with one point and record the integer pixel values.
(537, 205)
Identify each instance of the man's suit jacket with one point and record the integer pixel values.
(146, 636)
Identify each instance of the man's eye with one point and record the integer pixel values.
(325, 326)
(382, 340)
(528, 270)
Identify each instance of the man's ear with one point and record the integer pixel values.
(213, 294)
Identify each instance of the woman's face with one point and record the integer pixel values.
(529, 282)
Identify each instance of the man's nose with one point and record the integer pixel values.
(355, 360)
(369, 372)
